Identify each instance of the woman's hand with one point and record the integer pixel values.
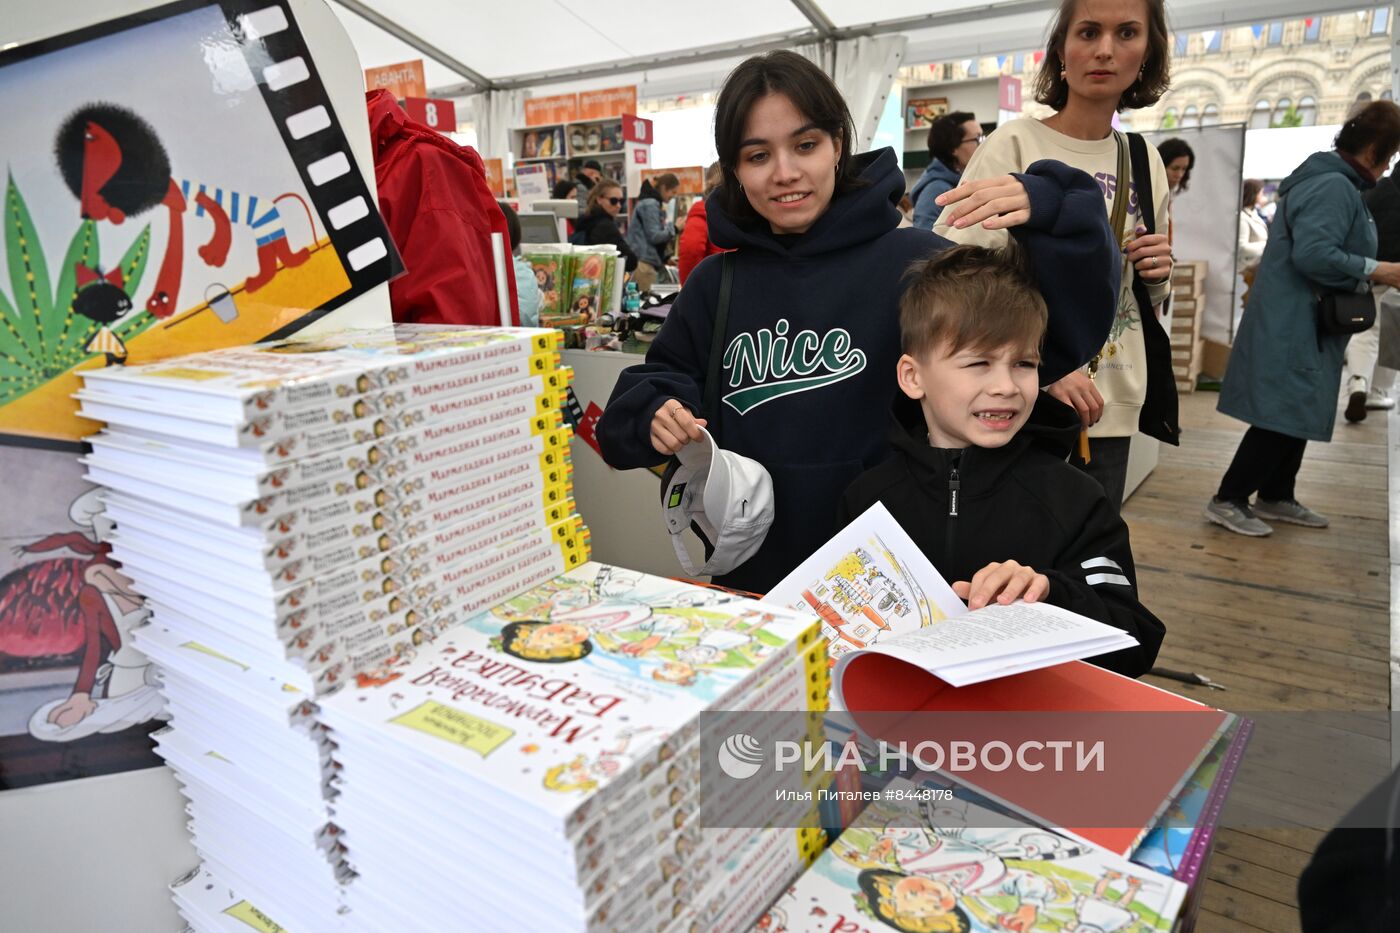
(1387, 273)
(1003, 582)
(1150, 254)
(1079, 392)
(995, 203)
(673, 426)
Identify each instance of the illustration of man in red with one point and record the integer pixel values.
(59, 605)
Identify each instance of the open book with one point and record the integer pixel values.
(905, 646)
(875, 591)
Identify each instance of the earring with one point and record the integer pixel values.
(1062, 72)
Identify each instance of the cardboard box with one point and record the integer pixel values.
(1214, 358)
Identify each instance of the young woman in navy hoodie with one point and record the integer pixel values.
(812, 330)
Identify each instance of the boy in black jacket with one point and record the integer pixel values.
(980, 482)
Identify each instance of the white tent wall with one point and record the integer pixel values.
(865, 70)
(1205, 218)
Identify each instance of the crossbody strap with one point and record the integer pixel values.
(709, 409)
(1142, 179)
(1120, 193)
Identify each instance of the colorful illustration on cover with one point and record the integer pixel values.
(161, 201)
(182, 184)
(635, 626)
(945, 865)
(76, 699)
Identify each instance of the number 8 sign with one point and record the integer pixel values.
(434, 113)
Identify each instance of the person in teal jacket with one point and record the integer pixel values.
(1284, 376)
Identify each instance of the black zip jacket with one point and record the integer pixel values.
(808, 370)
(598, 227)
(968, 508)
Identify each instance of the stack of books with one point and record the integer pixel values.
(547, 757)
(299, 514)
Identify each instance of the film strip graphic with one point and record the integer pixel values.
(280, 61)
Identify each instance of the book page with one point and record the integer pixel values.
(869, 582)
(996, 631)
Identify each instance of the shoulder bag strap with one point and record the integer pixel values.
(709, 410)
(1142, 178)
(1120, 193)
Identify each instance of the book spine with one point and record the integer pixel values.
(1199, 846)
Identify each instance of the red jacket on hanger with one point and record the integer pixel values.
(441, 214)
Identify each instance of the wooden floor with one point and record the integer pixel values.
(1298, 620)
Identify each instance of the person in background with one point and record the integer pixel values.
(1179, 160)
(1253, 233)
(695, 242)
(1283, 375)
(1101, 58)
(599, 224)
(952, 139)
(1368, 388)
(649, 233)
(526, 287)
(565, 190)
(818, 267)
(588, 175)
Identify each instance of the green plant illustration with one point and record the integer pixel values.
(41, 337)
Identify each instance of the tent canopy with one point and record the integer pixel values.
(673, 48)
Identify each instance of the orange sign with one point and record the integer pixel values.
(402, 80)
(608, 102)
(495, 177)
(692, 177)
(561, 108)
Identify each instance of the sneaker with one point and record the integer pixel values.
(1356, 407)
(1290, 510)
(1236, 516)
(1379, 401)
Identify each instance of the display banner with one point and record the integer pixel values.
(495, 176)
(403, 80)
(561, 108)
(608, 102)
(1206, 219)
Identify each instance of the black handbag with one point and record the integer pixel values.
(1340, 312)
(1345, 312)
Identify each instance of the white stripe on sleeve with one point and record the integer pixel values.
(1101, 562)
(1094, 579)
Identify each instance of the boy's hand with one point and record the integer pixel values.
(1004, 582)
(673, 426)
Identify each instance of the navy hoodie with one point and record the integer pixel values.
(1020, 502)
(812, 340)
